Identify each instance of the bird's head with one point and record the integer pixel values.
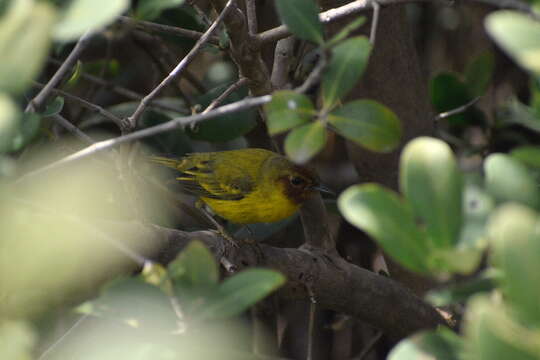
(297, 182)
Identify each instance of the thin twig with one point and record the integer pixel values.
(154, 130)
(311, 322)
(120, 90)
(251, 14)
(457, 110)
(314, 76)
(86, 104)
(369, 346)
(46, 352)
(173, 30)
(227, 92)
(72, 128)
(374, 21)
(204, 18)
(39, 100)
(329, 16)
(133, 119)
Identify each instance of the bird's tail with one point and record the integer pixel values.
(171, 163)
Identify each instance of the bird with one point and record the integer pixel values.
(245, 186)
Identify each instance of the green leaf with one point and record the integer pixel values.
(135, 302)
(431, 181)
(302, 19)
(54, 107)
(518, 34)
(442, 344)
(24, 42)
(194, 267)
(226, 127)
(17, 340)
(87, 15)
(305, 141)
(513, 230)
(348, 62)
(9, 122)
(346, 31)
(151, 9)
(528, 155)
(28, 129)
(387, 219)
(241, 291)
(508, 179)
(287, 110)
(367, 123)
(461, 292)
(492, 334)
(517, 113)
(479, 72)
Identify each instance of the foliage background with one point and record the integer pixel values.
(423, 116)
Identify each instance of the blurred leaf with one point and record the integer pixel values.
(491, 334)
(9, 121)
(461, 292)
(155, 274)
(348, 62)
(442, 344)
(528, 155)
(87, 15)
(431, 181)
(28, 128)
(508, 179)
(387, 219)
(239, 292)
(477, 207)
(514, 112)
(479, 72)
(287, 110)
(151, 9)
(513, 230)
(305, 141)
(226, 127)
(346, 31)
(302, 19)
(194, 267)
(17, 340)
(54, 107)
(136, 303)
(518, 34)
(24, 42)
(367, 123)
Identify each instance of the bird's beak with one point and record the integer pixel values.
(323, 189)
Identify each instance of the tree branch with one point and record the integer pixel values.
(335, 283)
(329, 16)
(39, 100)
(180, 67)
(167, 29)
(154, 130)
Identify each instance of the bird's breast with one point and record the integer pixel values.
(256, 207)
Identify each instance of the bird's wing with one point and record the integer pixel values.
(203, 175)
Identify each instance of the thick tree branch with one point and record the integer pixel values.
(335, 283)
(245, 50)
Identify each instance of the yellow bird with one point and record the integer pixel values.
(246, 186)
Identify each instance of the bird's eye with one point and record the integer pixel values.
(297, 181)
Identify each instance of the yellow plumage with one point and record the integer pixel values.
(245, 186)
